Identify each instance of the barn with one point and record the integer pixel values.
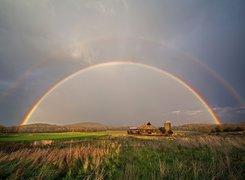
(144, 129)
(149, 129)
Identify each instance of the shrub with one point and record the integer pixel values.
(162, 129)
(238, 129)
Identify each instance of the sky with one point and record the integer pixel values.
(121, 93)
(201, 42)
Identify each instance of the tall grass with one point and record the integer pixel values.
(195, 157)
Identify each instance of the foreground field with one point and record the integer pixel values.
(125, 157)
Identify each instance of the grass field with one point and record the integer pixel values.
(55, 136)
(113, 155)
(45, 136)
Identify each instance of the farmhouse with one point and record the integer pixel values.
(149, 129)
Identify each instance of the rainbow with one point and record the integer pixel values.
(57, 85)
(214, 74)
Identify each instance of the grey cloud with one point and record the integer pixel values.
(41, 42)
(231, 114)
(4, 85)
(118, 94)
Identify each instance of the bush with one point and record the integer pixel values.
(170, 132)
(162, 129)
(238, 129)
(228, 129)
(218, 129)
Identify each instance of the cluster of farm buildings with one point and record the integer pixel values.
(149, 129)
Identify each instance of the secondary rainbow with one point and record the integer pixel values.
(57, 85)
(214, 74)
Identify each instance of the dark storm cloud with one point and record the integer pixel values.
(231, 114)
(41, 42)
(218, 39)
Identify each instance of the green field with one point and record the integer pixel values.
(46, 136)
(114, 155)
(55, 136)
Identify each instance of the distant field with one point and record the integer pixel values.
(54, 136)
(45, 136)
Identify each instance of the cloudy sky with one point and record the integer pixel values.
(202, 42)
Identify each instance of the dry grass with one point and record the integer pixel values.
(196, 157)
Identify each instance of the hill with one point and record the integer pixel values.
(94, 126)
(42, 127)
(210, 127)
(86, 125)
